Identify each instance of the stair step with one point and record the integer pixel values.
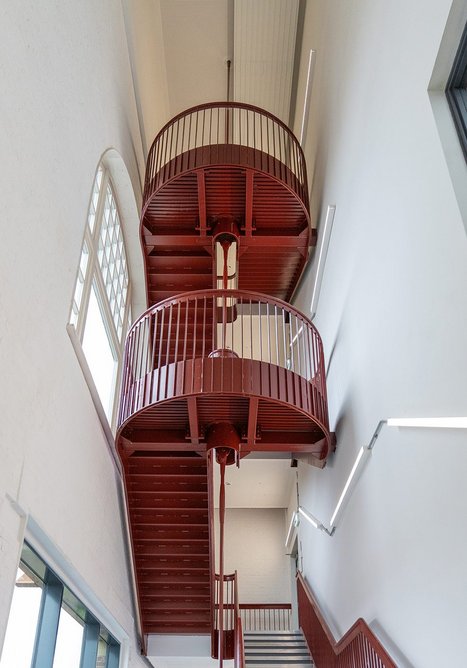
(282, 649)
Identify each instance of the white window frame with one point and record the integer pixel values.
(93, 276)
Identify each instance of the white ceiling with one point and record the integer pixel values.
(258, 483)
(179, 51)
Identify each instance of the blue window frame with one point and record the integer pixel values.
(57, 631)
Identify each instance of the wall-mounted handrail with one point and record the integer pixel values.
(359, 647)
(178, 332)
(192, 139)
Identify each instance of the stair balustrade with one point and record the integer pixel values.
(225, 342)
(266, 616)
(226, 132)
(358, 648)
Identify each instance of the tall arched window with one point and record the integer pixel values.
(100, 311)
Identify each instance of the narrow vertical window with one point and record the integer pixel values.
(456, 92)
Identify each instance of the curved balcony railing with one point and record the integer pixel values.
(224, 342)
(226, 133)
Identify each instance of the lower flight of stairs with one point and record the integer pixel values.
(276, 650)
(168, 506)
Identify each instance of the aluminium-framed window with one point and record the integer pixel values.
(49, 626)
(456, 92)
(101, 309)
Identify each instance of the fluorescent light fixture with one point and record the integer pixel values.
(323, 251)
(361, 452)
(430, 423)
(293, 523)
(312, 520)
(306, 104)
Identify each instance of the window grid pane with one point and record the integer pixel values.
(112, 260)
(77, 297)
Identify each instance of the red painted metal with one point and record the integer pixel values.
(223, 160)
(358, 648)
(227, 622)
(266, 616)
(172, 365)
(206, 367)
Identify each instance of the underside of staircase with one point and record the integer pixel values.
(167, 496)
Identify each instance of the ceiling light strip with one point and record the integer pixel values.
(429, 423)
(363, 455)
(323, 251)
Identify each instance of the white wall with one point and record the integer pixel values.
(254, 547)
(393, 317)
(67, 96)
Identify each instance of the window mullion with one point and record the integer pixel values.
(113, 656)
(47, 626)
(92, 261)
(107, 314)
(90, 645)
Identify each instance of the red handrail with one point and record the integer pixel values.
(182, 331)
(193, 137)
(358, 648)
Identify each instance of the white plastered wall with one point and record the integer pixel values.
(67, 96)
(393, 317)
(254, 547)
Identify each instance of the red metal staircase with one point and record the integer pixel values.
(168, 505)
(218, 355)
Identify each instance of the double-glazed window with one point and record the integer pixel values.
(49, 626)
(456, 92)
(100, 311)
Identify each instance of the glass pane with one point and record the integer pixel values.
(83, 265)
(22, 622)
(69, 641)
(101, 654)
(96, 347)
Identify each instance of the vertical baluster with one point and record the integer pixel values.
(167, 355)
(254, 131)
(210, 132)
(128, 373)
(159, 360)
(260, 331)
(269, 331)
(203, 355)
(138, 365)
(292, 355)
(154, 318)
(251, 331)
(284, 337)
(241, 324)
(185, 336)
(204, 124)
(195, 322)
(276, 325)
(177, 152)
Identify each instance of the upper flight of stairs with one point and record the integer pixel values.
(168, 505)
(276, 650)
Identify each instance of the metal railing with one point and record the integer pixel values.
(358, 648)
(266, 616)
(171, 349)
(208, 134)
(227, 607)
